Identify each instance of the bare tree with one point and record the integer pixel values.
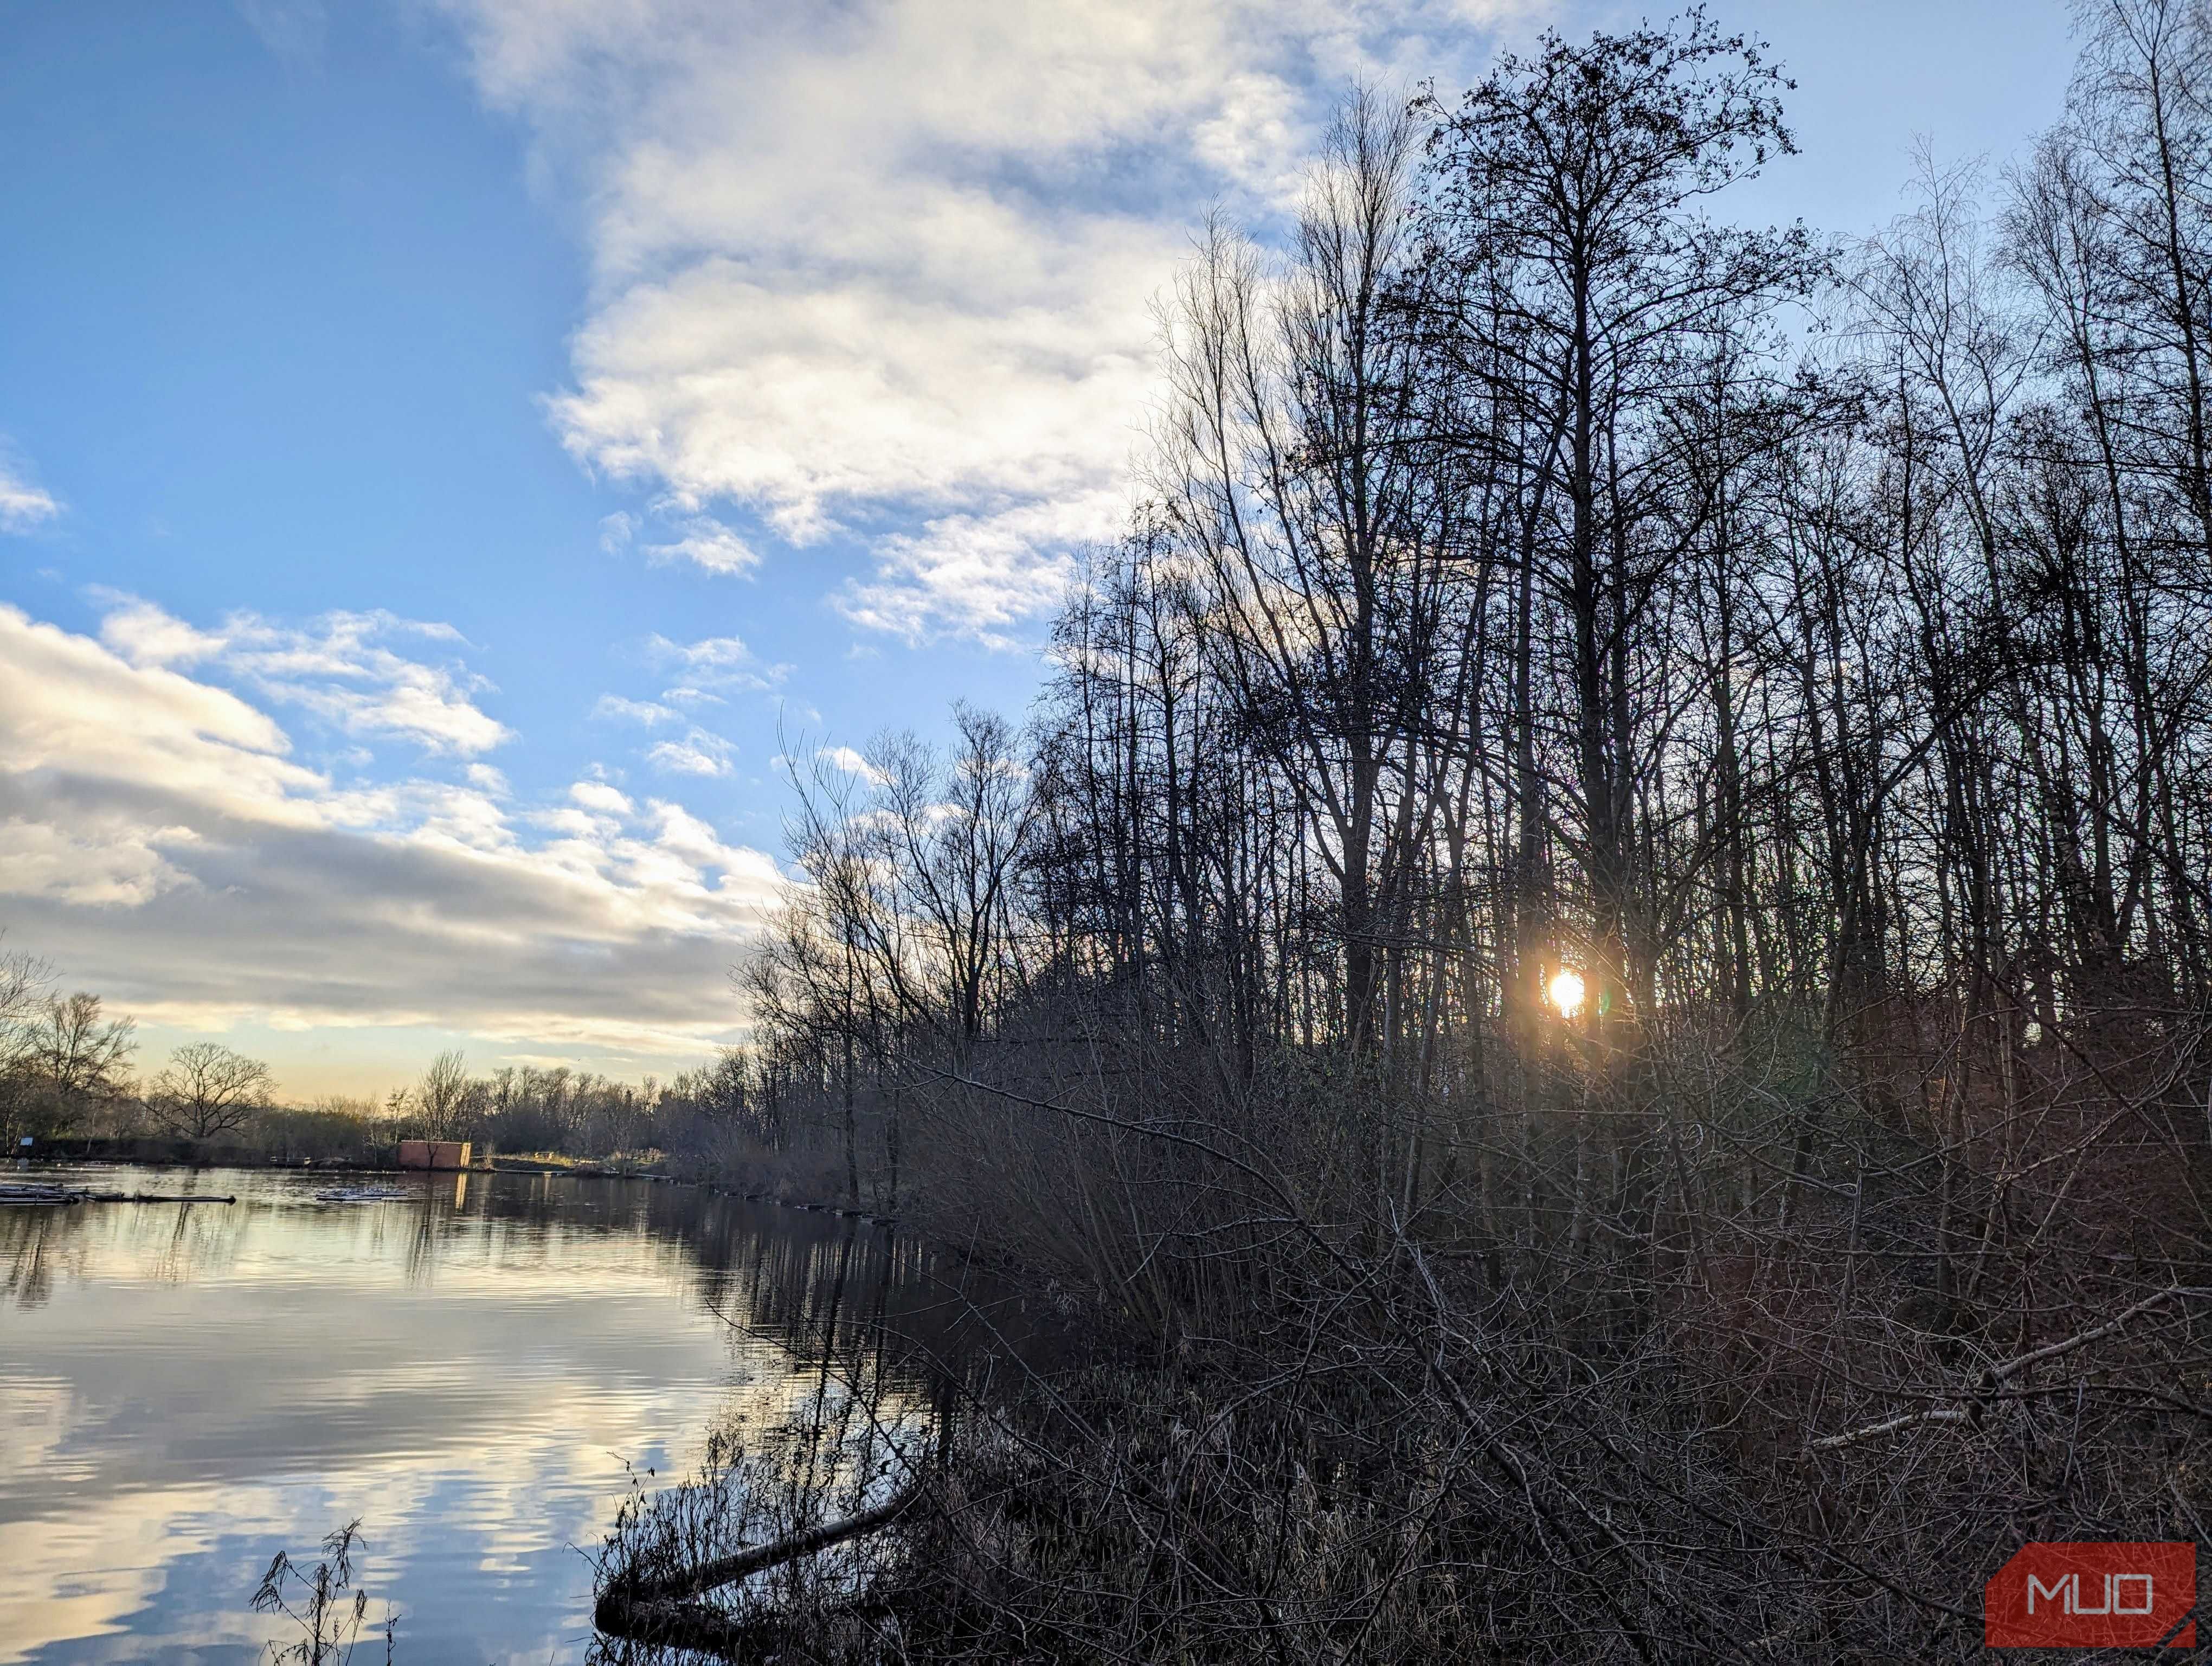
(1569, 217)
(207, 1089)
(82, 1055)
(24, 980)
(441, 1095)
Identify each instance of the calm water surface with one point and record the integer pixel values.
(184, 1391)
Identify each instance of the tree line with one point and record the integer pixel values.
(66, 1073)
(702, 1118)
(1598, 947)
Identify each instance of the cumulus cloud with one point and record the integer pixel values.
(699, 753)
(709, 544)
(983, 574)
(23, 504)
(647, 712)
(700, 540)
(845, 759)
(606, 800)
(338, 668)
(889, 269)
(712, 662)
(159, 837)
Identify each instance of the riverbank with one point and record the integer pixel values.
(187, 1154)
(381, 1158)
(148, 1151)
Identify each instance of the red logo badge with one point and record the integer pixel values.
(2092, 1595)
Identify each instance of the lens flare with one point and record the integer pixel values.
(1567, 991)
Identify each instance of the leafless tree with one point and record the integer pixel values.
(81, 1054)
(441, 1095)
(207, 1089)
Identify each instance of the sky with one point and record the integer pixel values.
(451, 451)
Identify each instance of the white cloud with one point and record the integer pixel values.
(709, 663)
(147, 636)
(985, 574)
(337, 668)
(851, 763)
(648, 712)
(715, 653)
(160, 841)
(699, 539)
(23, 504)
(709, 544)
(699, 753)
(598, 795)
(683, 695)
(889, 269)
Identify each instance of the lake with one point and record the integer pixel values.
(186, 1389)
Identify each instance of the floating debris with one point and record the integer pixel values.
(43, 1193)
(363, 1194)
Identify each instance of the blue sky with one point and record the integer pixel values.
(449, 447)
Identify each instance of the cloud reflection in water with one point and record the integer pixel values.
(189, 1389)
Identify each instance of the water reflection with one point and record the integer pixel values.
(188, 1388)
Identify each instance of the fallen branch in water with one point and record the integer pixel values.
(41, 1193)
(154, 1197)
(664, 1611)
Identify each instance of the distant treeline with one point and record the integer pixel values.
(708, 1116)
(66, 1072)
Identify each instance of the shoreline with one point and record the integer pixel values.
(575, 1170)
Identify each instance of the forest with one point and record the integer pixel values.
(1596, 964)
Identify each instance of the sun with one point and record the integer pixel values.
(1566, 991)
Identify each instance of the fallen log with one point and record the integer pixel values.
(665, 1610)
(39, 1194)
(69, 1195)
(155, 1197)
